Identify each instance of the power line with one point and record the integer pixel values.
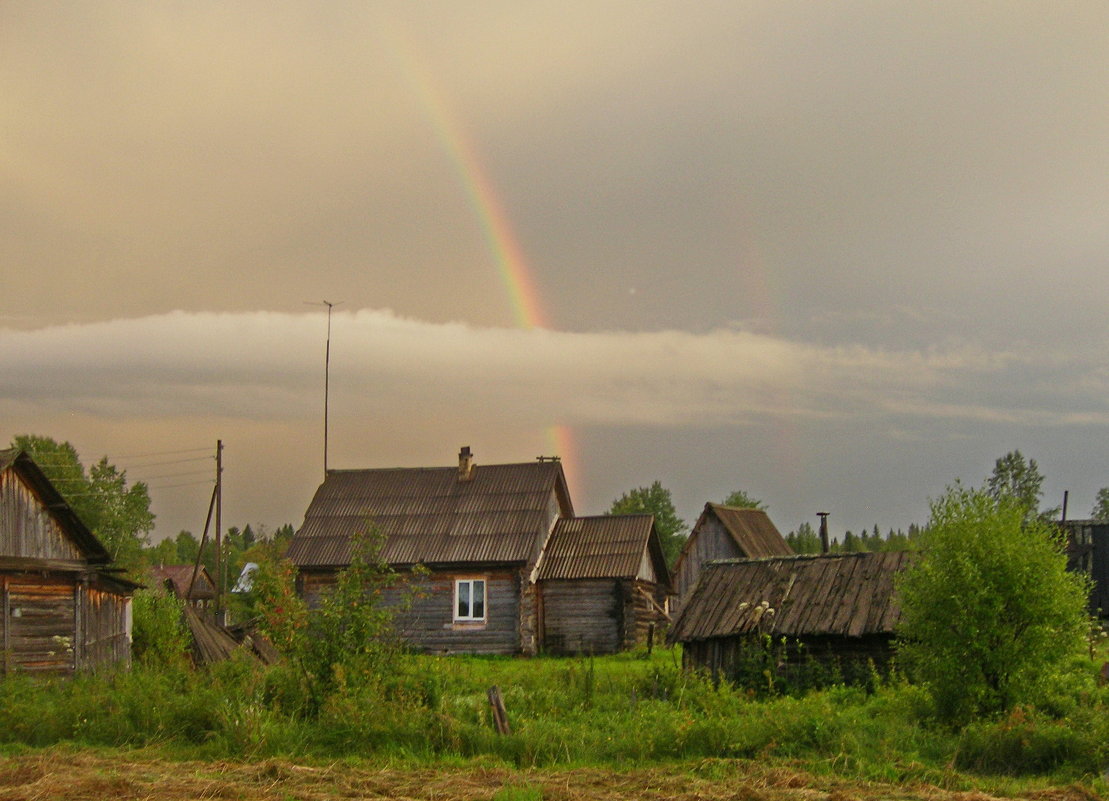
(162, 453)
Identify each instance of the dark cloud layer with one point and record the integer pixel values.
(814, 247)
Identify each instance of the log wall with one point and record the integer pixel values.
(428, 623)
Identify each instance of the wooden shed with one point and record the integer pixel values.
(477, 529)
(198, 592)
(1088, 553)
(603, 585)
(724, 532)
(840, 608)
(63, 608)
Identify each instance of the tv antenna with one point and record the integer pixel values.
(326, 374)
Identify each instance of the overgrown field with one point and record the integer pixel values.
(632, 712)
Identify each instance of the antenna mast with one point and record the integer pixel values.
(326, 376)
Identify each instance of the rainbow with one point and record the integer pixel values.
(481, 193)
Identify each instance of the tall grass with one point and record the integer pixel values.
(631, 709)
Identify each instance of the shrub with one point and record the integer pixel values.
(159, 634)
(990, 618)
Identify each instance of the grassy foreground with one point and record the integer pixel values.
(636, 719)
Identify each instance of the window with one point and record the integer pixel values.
(469, 599)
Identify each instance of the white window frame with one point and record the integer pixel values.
(470, 617)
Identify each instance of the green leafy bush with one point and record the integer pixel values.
(990, 617)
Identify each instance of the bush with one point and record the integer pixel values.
(990, 618)
(159, 634)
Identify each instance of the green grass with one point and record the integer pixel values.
(621, 711)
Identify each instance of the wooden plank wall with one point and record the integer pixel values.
(105, 629)
(26, 527)
(582, 616)
(719, 656)
(712, 542)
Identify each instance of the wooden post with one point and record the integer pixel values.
(650, 637)
(500, 717)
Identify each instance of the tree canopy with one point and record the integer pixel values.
(990, 617)
(741, 500)
(1101, 505)
(655, 500)
(1021, 480)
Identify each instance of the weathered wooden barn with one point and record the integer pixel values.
(724, 532)
(64, 608)
(478, 530)
(602, 585)
(840, 608)
(1088, 553)
(178, 580)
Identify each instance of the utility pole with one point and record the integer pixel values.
(220, 616)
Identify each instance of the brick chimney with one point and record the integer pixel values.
(823, 531)
(465, 464)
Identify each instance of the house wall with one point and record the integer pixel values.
(27, 529)
(105, 626)
(428, 624)
(642, 619)
(39, 623)
(582, 616)
(723, 657)
(711, 541)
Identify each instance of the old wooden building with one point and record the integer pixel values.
(197, 591)
(603, 585)
(478, 530)
(64, 608)
(724, 532)
(840, 608)
(1088, 553)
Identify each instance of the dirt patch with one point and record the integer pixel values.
(76, 776)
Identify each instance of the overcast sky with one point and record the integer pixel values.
(835, 254)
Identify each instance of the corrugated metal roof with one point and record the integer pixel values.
(608, 546)
(837, 594)
(427, 515)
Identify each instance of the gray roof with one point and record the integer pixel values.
(501, 514)
(849, 594)
(607, 546)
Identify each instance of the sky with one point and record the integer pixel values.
(837, 255)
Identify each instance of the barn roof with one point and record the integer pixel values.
(180, 577)
(21, 463)
(431, 515)
(850, 594)
(606, 546)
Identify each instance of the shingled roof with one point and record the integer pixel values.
(606, 546)
(493, 514)
(849, 594)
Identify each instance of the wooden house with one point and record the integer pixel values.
(178, 581)
(840, 608)
(63, 608)
(724, 532)
(477, 529)
(602, 585)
